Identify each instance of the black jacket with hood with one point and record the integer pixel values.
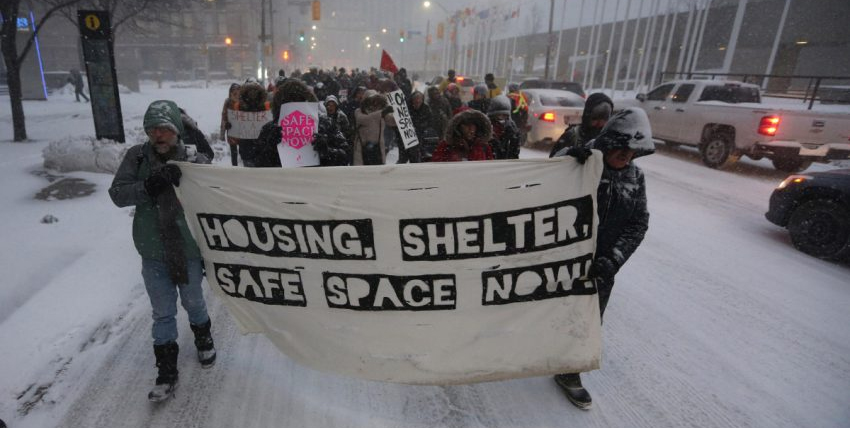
(582, 134)
(621, 196)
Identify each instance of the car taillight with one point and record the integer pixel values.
(548, 117)
(769, 125)
(793, 179)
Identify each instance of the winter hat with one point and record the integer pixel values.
(331, 99)
(163, 114)
(480, 89)
(628, 129)
(513, 87)
(489, 77)
(499, 105)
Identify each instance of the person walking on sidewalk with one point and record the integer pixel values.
(171, 260)
(76, 79)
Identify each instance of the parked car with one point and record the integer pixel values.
(550, 111)
(465, 83)
(727, 120)
(573, 87)
(815, 208)
(466, 86)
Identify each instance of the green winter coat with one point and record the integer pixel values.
(128, 187)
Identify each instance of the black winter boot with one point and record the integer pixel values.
(571, 384)
(204, 343)
(166, 381)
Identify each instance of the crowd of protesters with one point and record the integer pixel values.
(356, 119)
(357, 126)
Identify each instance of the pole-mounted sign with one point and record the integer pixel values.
(96, 35)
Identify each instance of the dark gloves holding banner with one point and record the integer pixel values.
(580, 153)
(160, 180)
(603, 268)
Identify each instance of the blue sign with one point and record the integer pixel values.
(23, 24)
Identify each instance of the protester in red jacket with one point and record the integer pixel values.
(467, 139)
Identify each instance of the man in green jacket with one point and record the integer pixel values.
(171, 260)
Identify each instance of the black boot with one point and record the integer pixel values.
(204, 343)
(166, 381)
(571, 384)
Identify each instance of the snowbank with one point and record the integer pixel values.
(86, 153)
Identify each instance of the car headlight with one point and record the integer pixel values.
(793, 179)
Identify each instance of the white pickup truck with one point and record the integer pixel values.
(727, 119)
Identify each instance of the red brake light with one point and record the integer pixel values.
(769, 125)
(459, 79)
(548, 117)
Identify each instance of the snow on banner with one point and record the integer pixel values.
(246, 124)
(423, 274)
(402, 119)
(298, 123)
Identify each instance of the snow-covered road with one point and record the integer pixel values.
(715, 322)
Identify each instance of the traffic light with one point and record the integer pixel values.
(228, 41)
(285, 55)
(401, 36)
(301, 36)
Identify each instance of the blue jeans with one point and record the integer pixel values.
(163, 295)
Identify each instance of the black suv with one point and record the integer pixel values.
(573, 87)
(815, 208)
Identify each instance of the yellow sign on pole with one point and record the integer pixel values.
(92, 22)
(317, 10)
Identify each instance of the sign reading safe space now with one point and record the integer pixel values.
(96, 35)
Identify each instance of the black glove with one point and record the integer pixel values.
(320, 143)
(603, 268)
(580, 153)
(387, 110)
(160, 180)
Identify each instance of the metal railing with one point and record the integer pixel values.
(803, 87)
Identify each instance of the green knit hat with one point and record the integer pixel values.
(164, 113)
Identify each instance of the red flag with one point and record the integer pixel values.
(387, 63)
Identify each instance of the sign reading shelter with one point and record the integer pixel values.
(246, 124)
(430, 274)
(298, 123)
(402, 119)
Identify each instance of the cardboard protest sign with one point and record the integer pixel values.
(246, 124)
(428, 274)
(298, 122)
(402, 119)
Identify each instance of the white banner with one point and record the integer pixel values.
(246, 124)
(298, 123)
(429, 273)
(402, 119)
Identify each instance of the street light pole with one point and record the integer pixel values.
(427, 4)
(427, 35)
(549, 39)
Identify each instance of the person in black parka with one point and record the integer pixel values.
(621, 206)
(329, 143)
(597, 110)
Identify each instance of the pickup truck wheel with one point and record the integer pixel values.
(821, 228)
(790, 164)
(716, 151)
